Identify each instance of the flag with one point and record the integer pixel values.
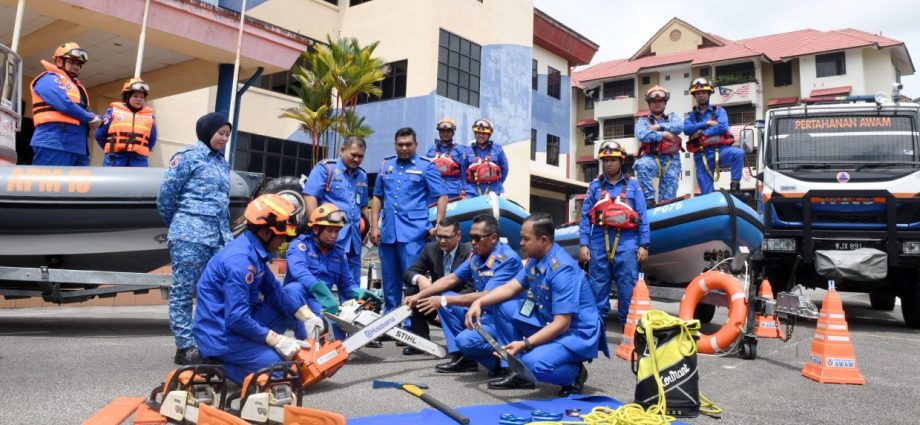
(743, 90)
(725, 93)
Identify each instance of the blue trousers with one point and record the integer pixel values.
(124, 160)
(647, 169)
(280, 322)
(48, 156)
(551, 362)
(452, 323)
(188, 262)
(729, 156)
(247, 358)
(601, 273)
(395, 258)
(354, 266)
(496, 320)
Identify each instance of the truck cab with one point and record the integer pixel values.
(838, 191)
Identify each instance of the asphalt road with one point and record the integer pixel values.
(60, 365)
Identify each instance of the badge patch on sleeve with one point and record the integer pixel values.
(174, 162)
(250, 275)
(302, 247)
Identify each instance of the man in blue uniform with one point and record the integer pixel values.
(60, 110)
(613, 231)
(450, 159)
(660, 146)
(403, 187)
(344, 183)
(194, 201)
(491, 264)
(237, 285)
(711, 140)
(316, 264)
(556, 330)
(487, 165)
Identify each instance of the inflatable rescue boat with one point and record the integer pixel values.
(509, 214)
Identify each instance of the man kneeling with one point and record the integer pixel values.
(559, 328)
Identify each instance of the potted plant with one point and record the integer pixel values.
(280, 261)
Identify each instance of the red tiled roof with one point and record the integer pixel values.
(586, 122)
(776, 101)
(830, 91)
(774, 47)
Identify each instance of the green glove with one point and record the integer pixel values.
(363, 294)
(322, 294)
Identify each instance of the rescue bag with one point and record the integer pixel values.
(446, 165)
(483, 171)
(614, 212)
(698, 141)
(665, 364)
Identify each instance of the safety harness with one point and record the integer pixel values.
(613, 213)
(444, 162)
(700, 143)
(666, 146)
(483, 171)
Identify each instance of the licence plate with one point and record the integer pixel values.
(846, 245)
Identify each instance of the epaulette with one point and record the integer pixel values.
(490, 262)
(554, 263)
(424, 158)
(328, 161)
(389, 157)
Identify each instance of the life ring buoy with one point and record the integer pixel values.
(737, 309)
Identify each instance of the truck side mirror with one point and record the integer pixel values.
(747, 140)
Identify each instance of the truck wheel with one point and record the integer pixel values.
(910, 304)
(882, 300)
(704, 312)
(778, 275)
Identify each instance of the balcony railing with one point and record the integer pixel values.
(616, 107)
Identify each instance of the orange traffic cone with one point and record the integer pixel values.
(832, 360)
(639, 304)
(767, 326)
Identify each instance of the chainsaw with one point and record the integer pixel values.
(354, 316)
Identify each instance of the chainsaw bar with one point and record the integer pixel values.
(364, 318)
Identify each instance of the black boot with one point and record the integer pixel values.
(187, 356)
(650, 203)
(734, 187)
(578, 386)
(511, 382)
(458, 364)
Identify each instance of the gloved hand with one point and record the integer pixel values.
(312, 323)
(322, 294)
(363, 294)
(284, 345)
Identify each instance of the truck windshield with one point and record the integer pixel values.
(851, 141)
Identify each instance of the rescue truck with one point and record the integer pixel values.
(838, 191)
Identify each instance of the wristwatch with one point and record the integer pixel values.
(443, 301)
(527, 345)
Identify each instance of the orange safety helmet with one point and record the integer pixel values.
(657, 92)
(482, 125)
(446, 124)
(135, 84)
(71, 50)
(701, 84)
(611, 149)
(327, 215)
(274, 212)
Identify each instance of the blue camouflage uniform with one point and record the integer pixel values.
(486, 273)
(731, 156)
(453, 185)
(234, 291)
(625, 266)
(194, 201)
(404, 188)
(651, 165)
(559, 287)
(347, 191)
(494, 152)
(122, 159)
(308, 265)
(56, 143)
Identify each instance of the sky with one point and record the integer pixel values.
(621, 27)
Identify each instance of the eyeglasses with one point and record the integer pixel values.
(477, 238)
(445, 237)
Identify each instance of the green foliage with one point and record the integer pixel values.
(282, 250)
(329, 85)
(729, 79)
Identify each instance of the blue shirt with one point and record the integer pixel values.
(232, 288)
(102, 132)
(559, 286)
(491, 271)
(695, 120)
(646, 135)
(405, 188)
(593, 236)
(308, 265)
(347, 190)
(194, 199)
(54, 135)
(495, 154)
(453, 185)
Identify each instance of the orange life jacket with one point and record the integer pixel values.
(667, 146)
(42, 112)
(446, 165)
(483, 171)
(614, 212)
(129, 131)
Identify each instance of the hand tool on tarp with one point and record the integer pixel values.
(514, 363)
(416, 390)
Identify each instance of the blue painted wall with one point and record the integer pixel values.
(551, 115)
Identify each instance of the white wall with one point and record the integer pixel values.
(546, 58)
(879, 71)
(854, 76)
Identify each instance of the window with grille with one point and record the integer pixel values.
(280, 82)
(458, 68)
(614, 89)
(830, 64)
(393, 86)
(534, 76)
(782, 74)
(617, 128)
(533, 144)
(735, 73)
(271, 156)
(740, 114)
(553, 82)
(552, 150)
(590, 171)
